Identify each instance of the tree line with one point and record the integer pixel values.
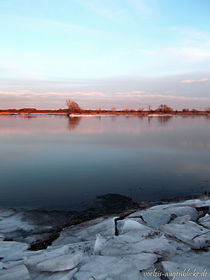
(74, 108)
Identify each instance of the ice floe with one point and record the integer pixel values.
(164, 236)
(16, 272)
(177, 271)
(205, 221)
(11, 250)
(191, 233)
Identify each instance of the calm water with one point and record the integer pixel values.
(60, 163)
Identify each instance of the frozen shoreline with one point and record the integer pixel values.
(166, 238)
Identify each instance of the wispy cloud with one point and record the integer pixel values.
(163, 97)
(136, 91)
(203, 80)
(91, 94)
(30, 93)
(193, 54)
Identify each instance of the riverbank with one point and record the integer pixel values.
(87, 113)
(142, 242)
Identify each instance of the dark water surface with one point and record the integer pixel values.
(54, 162)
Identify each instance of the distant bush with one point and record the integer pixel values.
(73, 106)
(164, 109)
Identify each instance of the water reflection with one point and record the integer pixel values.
(164, 119)
(146, 157)
(73, 122)
(57, 124)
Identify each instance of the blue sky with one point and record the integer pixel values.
(159, 50)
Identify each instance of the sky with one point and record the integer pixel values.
(105, 53)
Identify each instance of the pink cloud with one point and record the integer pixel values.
(16, 93)
(136, 91)
(90, 93)
(203, 80)
(28, 93)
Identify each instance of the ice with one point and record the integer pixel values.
(122, 245)
(92, 251)
(189, 271)
(60, 263)
(18, 272)
(194, 257)
(181, 219)
(142, 261)
(134, 229)
(65, 275)
(33, 258)
(157, 216)
(11, 221)
(191, 233)
(106, 267)
(2, 237)
(11, 250)
(205, 221)
(86, 231)
(132, 225)
(196, 203)
(121, 268)
(100, 243)
(1, 265)
(55, 259)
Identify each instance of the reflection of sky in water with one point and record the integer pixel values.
(57, 162)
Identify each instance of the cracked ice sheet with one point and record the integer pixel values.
(160, 215)
(15, 272)
(191, 233)
(197, 203)
(86, 231)
(205, 221)
(121, 245)
(193, 257)
(173, 268)
(55, 259)
(66, 275)
(133, 231)
(60, 263)
(115, 268)
(11, 250)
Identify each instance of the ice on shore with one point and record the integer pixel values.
(11, 250)
(122, 246)
(18, 272)
(163, 236)
(60, 263)
(100, 243)
(191, 233)
(160, 215)
(178, 271)
(205, 221)
(64, 275)
(86, 231)
(106, 267)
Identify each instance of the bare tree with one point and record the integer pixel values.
(73, 106)
(164, 109)
(185, 110)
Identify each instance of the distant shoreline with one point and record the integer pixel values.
(87, 113)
